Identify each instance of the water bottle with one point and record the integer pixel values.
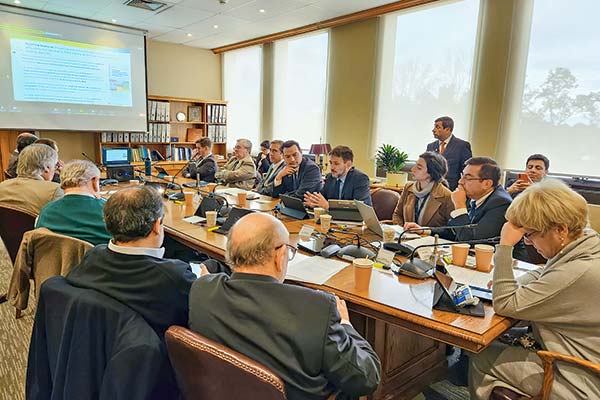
(148, 166)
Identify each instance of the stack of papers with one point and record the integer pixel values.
(315, 269)
(234, 192)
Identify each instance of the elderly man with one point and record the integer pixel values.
(276, 165)
(303, 335)
(32, 189)
(240, 170)
(23, 140)
(131, 267)
(536, 167)
(80, 212)
(344, 182)
(300, 174)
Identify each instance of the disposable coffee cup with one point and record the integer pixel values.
(483, 257)
(241, 202)
(318, 212)
(388, 234)
(362, 273)
(460, 251)
(211, 218)
(189, 199)
(325, 222)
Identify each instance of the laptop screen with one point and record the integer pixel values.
(116, 155)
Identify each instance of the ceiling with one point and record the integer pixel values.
(207, 23)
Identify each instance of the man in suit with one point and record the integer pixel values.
(303, 335)
(263, 160)
(23, 140)
(300, 174)
(240, 170)
(203, 164)
(456, 151)
(478, 199)
(33, 188)
(344, 182)
(277, 164)
(536, 167)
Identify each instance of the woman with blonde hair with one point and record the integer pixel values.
(557, 299)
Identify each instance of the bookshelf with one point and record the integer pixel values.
(174, 124)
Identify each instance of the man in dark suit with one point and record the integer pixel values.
(300, 174)
(262, 158)
(301, 334)
(456, 151)
(203, 163)
(277, 164)
(344, 182)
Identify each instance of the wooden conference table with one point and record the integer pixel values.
(395, 314)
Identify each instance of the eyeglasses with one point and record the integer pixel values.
(469, 177)
(291, 250)
(528, 235)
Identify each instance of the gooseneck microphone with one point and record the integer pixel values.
(402, 248)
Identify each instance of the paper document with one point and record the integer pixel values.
(473, 277)
(315, 269)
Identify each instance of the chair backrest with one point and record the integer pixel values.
(384, 203)
(7, 174)
(13, 224)
(208, 370)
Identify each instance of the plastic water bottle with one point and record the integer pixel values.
(148, 166)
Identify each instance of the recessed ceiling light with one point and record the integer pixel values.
(189, 35)
(262, 10)
(216, 26)
(114, 21)
(17, 2)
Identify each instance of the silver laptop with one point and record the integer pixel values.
(371, 221)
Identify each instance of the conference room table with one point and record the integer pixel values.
(395, 314)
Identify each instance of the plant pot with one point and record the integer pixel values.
(396, 179)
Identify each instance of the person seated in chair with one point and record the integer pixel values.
(23, 140)
(344, 182)
(203, 164)
(300, 174)
(303, 335)
(239, 171)
(426, 201)
(276, 164)
(131, 267)
(80, 213)
(262, 158)
(536, 167)
(33, 188)
(60, 164)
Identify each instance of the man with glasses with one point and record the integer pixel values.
(300, 174)
(240, 170)
(478, 199)
(303, 335)
(277, 164)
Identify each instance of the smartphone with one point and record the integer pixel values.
(524, 177)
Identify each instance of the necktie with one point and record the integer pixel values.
(295, 180)
(442, 147)
(472, 208)
(336, 189)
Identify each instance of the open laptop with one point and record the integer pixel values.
(234, 215)
(371, 221)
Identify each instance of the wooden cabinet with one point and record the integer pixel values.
(173, 126)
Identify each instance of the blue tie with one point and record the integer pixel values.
(336, 189)
(472, 208)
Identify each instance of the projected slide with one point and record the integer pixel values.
(53, 70)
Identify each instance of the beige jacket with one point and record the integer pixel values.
(437, 208)
(238, 173)
(42, 254)
(29, 194)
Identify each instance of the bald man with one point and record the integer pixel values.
(303, 335)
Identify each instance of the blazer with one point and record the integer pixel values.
(266, 185)
(293, 330)
(456, 153)
(262, 165)
(308, 180)
(436, 211)
(489, 216)
(357, 186)
(206, 168)
(238, 173)
(29, 194)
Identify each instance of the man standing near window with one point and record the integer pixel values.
(456, 151)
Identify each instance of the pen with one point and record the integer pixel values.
(214, 228)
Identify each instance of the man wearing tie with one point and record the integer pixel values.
(240, 170)
(300, 174)
(344, 182)
(203, 163)
(456, 151)
(277, 164)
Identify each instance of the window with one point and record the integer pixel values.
(425, 71)
(300, 88)
(242, 82)
(554, 107)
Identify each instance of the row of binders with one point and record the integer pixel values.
(179, 153)
(139, 154)
(155, 135)
(217, 133)
(159, 111)
(216, 113)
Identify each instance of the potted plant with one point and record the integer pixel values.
(392, 160)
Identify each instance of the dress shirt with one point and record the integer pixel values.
(137, 251)
(461, 211)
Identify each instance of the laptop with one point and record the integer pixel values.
(293, 207)
(344, 210)
(371, 221)
(234, 215)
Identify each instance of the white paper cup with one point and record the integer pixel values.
(325, 222)
(211, 219)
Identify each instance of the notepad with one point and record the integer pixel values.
(315, 269)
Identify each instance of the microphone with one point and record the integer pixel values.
(402, 248)
(421, 269)
(100, 166)
(352, 251)
(212, 202)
